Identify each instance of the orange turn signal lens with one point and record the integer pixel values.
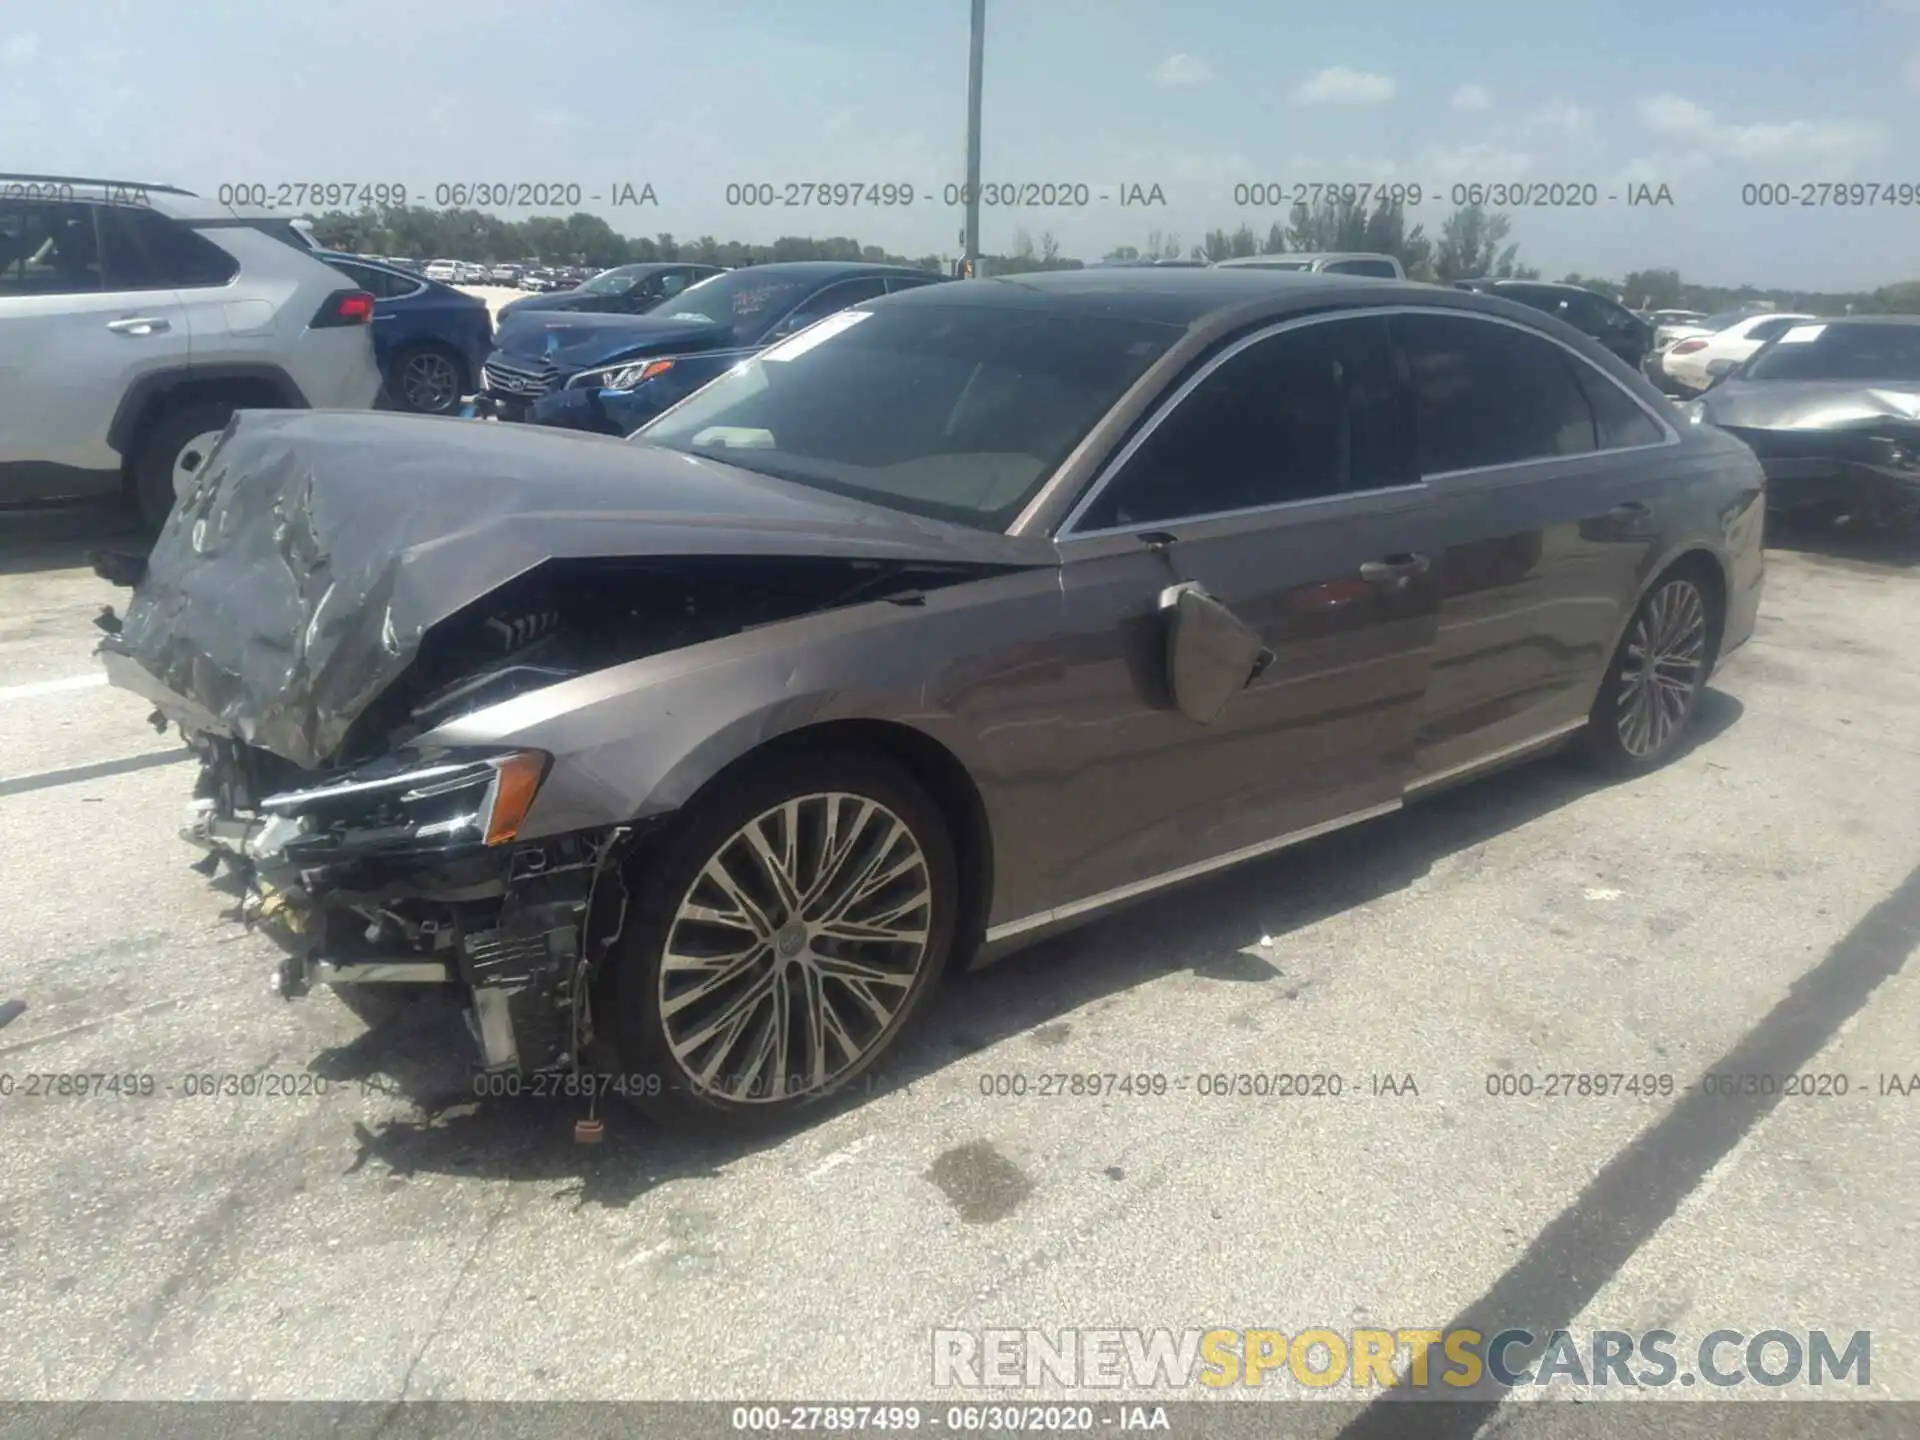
(519, 781)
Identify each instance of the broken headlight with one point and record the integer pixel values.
(434, 804)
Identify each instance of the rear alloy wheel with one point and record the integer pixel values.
(171, 456)
(1653, 686)
(784, 941)
(427, 381)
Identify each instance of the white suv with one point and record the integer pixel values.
(135, 319)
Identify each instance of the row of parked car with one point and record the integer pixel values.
(529, 275)
(921, 617)
(131, 334)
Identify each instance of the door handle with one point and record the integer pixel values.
(139, 325)
(1631, 510)
(1394, 570)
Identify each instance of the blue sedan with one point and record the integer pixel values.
(612, 373)
(430, 339)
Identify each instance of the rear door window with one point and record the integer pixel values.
(1619, 422)
(1301, 415)
(1489, 394)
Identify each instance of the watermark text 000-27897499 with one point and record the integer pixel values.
(1495, 194)
(442, 194)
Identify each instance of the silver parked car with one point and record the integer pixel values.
(1832, 408)
(956, 618)
(135, 319)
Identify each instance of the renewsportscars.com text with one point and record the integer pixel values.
(1442, 1360)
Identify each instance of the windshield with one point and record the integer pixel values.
(745, 301)
(1841, 352)
(947, 411)
(1717, 323)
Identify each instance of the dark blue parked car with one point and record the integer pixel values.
(430, 339)
(613, 373)
(623, 290)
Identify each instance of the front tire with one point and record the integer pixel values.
(171, 454)
(1652, 688)
(781, 941)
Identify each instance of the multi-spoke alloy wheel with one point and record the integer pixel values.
(790, 954)
(429, 382)
(1654, 685)
(784, 942)
(1662, 677)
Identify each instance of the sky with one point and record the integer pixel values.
(1194, 96)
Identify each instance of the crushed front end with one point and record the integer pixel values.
(409, 871)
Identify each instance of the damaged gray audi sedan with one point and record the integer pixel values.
(952, 620)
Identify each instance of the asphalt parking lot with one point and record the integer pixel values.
(1748, 909)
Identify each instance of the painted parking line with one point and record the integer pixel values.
(51, 687)
(100, 770)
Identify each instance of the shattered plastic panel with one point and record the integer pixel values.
(294, 584)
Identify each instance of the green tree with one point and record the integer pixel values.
(1470, 248)
(1654, 289)
(1901, 299)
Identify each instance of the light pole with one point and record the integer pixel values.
(971, 238)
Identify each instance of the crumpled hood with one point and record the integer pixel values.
(577, 340)
(1809, 404)
(295, 582)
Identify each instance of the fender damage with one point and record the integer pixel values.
(340, 592)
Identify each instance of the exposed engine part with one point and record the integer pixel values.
(568, 618)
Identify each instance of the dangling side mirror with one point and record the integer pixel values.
(1211, 653)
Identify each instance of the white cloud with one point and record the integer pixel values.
(1167, 165)
(1472, 97)
(1474, 162)
(20, 48)
(1691, 127)
(1341, 86)
(1563, 117)
(1178, 70)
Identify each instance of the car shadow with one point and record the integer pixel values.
(1207, 927)
(59, 537)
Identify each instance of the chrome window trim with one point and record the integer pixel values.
(1214, 517)
(1066, 531)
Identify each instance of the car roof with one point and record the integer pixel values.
(1302, 257)
(824, 269)
(1858, 319)
(1492, 283)
(1189, 297)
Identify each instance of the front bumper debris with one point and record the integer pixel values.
(509, 924)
